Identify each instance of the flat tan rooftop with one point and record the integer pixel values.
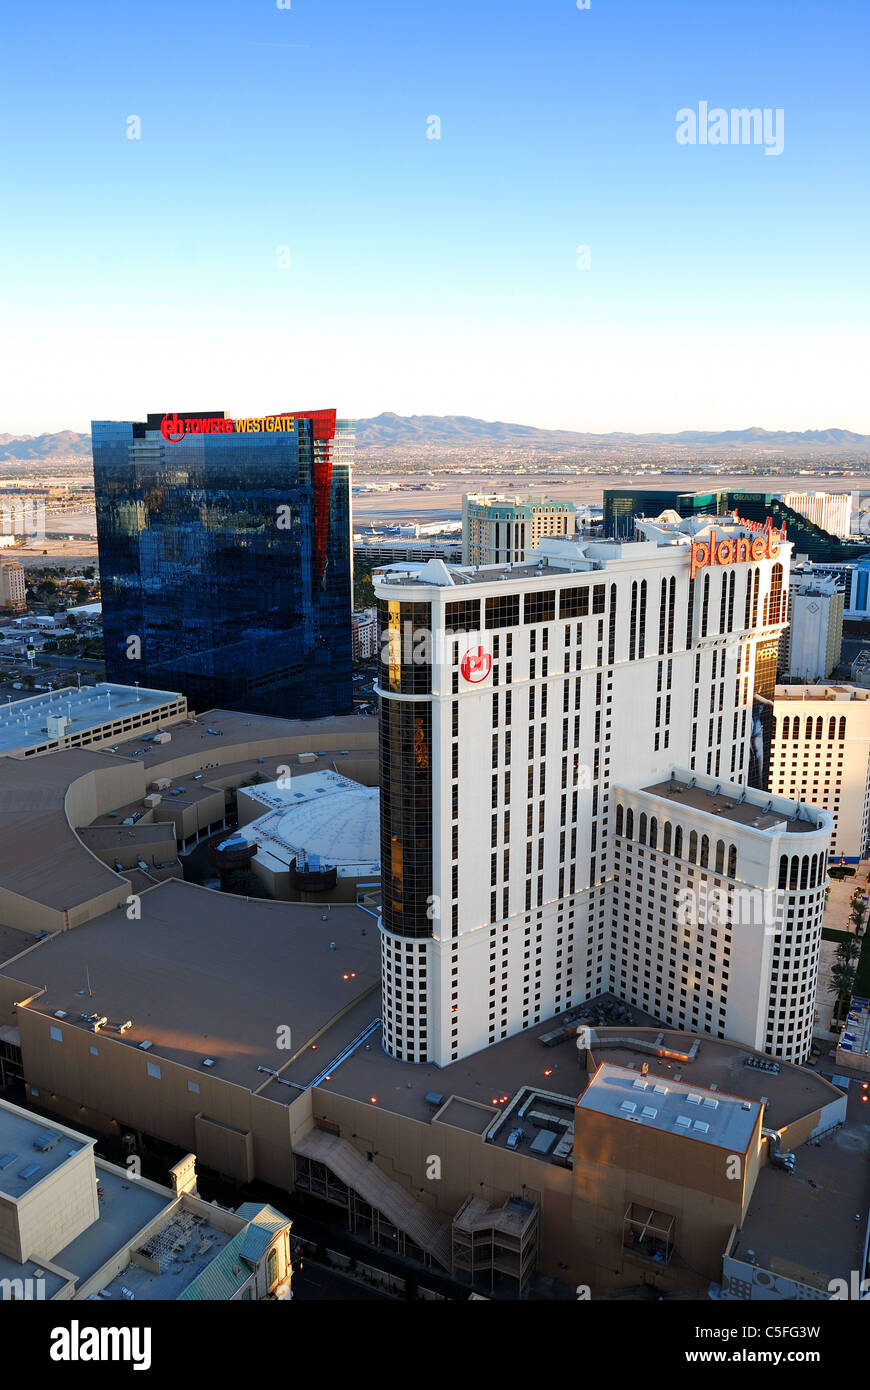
(41, 858)
(503, 1069)
(802, 1224)
(749, 813)
(235, 727)
(206, 974)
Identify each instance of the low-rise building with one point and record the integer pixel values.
(75, 1227)
(92, 716)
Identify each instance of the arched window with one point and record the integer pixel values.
(786, 725)
(653, 832)
(272, 1267)
(755, 583)
(666, 837)
(776, 605)
(705, 603)
(732, 861)
(629, 824)
(793, 873)
(796, 729)
(842, 730)
(693, 847)
(808, 731)
(619, 819)
(820, 723)
(813, 867)
(678, 842)
(805, 870)
(832, 728)
(641, 828)
(705, 851)
(731, 587)
(783, 871)
(720, 856)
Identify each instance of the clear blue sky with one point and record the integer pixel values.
(726, 287)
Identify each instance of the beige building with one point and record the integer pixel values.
(75, 1227)
(13, 598)
(820, 755)
(815, 631)
(499, 530)
(832, 511)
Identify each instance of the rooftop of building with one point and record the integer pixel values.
(32, 1149)
(501, 504)
(327, 819)
(210, 975)
(671, 1106)
(23, 724)
(855, 1036)
(744, 806)
(127, 1206)
(814, 693)
(50, 1281)
(33, 791)
(194, 737)
(41, 858)
(500, 1076)
(802, 1225)
(13, 942)
(820, 586)
(183, 1247)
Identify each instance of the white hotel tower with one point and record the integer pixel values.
(565, 746)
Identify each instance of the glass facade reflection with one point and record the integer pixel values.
(405, 738)
(225, 558)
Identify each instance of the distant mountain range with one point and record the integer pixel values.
(425, 432)
(43, 446)
(388, 430)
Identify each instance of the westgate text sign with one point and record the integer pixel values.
(175, 427)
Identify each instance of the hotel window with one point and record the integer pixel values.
(540, 607)
(153, 1070)
(54, 1033)
(503, 611)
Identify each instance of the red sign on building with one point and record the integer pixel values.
(476, 665)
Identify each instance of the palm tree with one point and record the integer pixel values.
(849, 950)
(843, 981)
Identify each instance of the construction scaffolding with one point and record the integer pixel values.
(491, 1241)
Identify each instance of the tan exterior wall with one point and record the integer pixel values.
(616, 1163)
(116, 1086)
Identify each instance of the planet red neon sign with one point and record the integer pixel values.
(735, 550)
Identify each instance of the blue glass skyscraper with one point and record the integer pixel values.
(225, 558)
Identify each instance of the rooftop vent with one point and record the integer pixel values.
(628, 1106)
(144, 1046)
(208, 1061)
(683, 1122)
